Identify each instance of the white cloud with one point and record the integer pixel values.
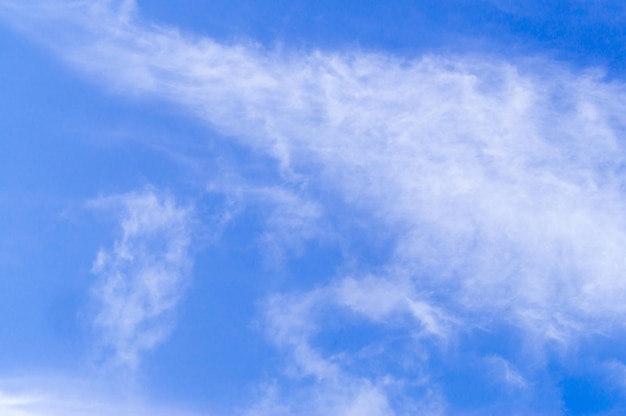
(491, 175)
(504, 372)
(54, 396)
(293, 323)
(381, 298)
(291, 218)
(498, 181)
(141, 278)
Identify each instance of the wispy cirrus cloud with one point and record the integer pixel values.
(54, 396)
(142, 277)
(475, 164)
(498, 182)
(290, 216)
(350, 380)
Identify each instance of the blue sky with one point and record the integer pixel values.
(312, 208)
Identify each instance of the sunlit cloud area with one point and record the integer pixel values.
(312, 208)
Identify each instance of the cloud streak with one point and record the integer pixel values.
(142, 277)
(43, 396)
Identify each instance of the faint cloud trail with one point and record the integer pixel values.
(142, 277)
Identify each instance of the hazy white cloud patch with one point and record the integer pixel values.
(142, 276)
(54, 396)
(293, 221)
(348, 378)
(290, 217)
(504, 372)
